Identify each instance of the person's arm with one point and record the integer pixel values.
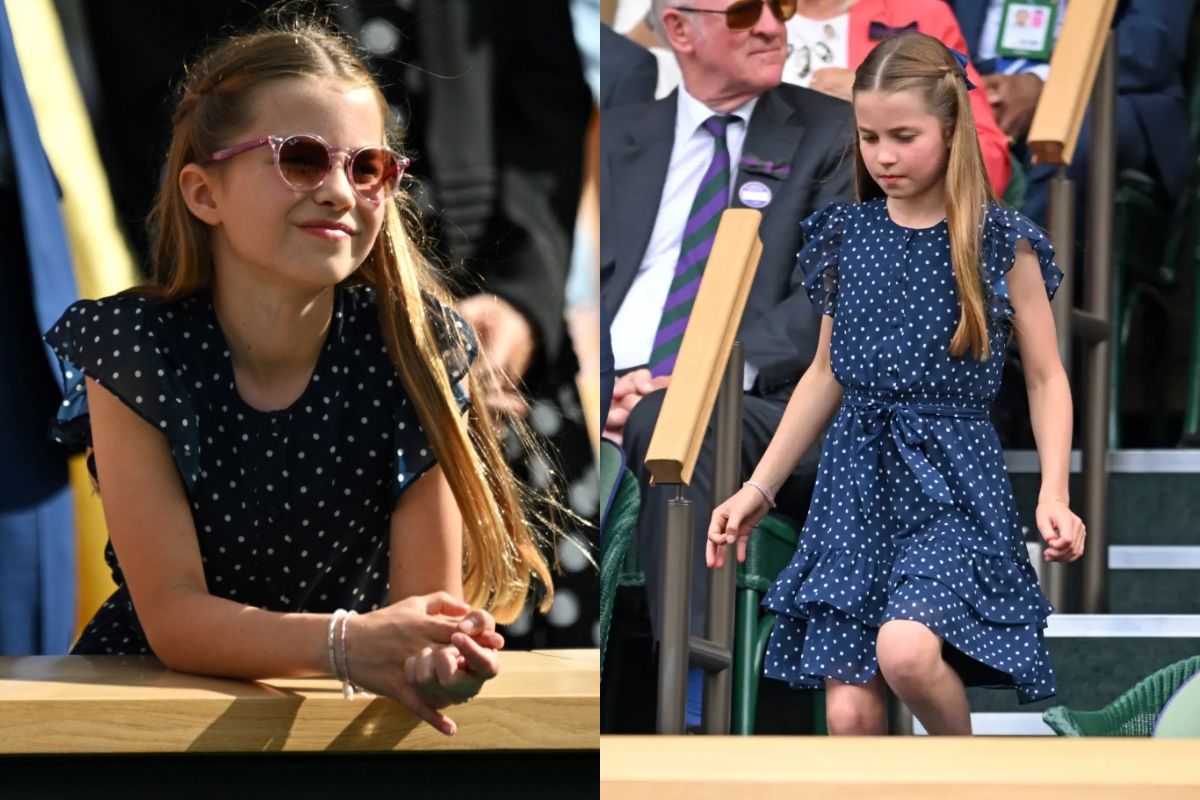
(426, 540)
(152, 532)
(1050, 408)
(814, 401)
(190, 630)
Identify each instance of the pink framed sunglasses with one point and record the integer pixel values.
(304, 160)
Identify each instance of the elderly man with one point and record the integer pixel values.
(731, 135)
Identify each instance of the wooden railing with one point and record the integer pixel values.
(1054, 132)
(542, 701)
(708, 371)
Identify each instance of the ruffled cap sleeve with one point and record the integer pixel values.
(1003, 228)
(121, 343)
(818, 259)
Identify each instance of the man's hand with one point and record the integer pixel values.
(628, 391)
(506, 337)
(1013, 98)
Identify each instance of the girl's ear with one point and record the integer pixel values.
(196, 186)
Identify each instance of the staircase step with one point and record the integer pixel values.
(1153, 579)
(1154, 495)
(1097, 657)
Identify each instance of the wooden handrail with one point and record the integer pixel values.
(931, 768)
(687, 407)
(1054, 131)
(542, 700)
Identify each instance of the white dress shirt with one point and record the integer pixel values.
(636, 321)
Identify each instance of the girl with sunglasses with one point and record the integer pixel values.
(298, 471)
(912, 569)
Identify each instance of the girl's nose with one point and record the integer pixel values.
(336, 189)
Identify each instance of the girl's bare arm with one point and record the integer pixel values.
(814, 401)
(190, 630)
(1050, 409)
(152, 532)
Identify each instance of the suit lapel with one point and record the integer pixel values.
(774, 136)
(638, 165)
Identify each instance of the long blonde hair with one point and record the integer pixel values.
(501, 557)
(920, 63)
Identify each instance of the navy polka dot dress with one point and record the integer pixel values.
(912, 514)
(291, 507)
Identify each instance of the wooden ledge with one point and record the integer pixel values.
(825, 768)
(542, 700)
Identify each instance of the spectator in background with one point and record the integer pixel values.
(828, 39)
(628, 72)
(1152, 116)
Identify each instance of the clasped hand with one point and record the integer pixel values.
(428, 652)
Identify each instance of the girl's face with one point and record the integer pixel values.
(903, 146)
(267, 230)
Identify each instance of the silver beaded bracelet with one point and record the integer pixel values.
(767, 493)
(333, 663)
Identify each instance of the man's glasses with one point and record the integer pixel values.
(304, 161)
(744, 14)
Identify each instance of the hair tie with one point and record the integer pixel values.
(961, 58)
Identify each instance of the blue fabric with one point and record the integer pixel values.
(45, 237)
(912, 516)
(37, 575)
(268, 535)
(695, 696)
(37, 578)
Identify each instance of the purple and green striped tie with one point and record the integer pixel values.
(698, 234)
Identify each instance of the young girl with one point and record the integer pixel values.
(298, 473)
(912, 568)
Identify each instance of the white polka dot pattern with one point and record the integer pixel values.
(291, 507)
(912, 515)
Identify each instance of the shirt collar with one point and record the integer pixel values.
(692, 113)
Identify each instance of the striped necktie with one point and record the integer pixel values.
(711, 199)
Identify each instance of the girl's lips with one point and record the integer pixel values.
(331, 234)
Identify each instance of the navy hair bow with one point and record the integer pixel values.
(961, 58)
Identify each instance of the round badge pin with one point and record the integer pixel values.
(754, 194)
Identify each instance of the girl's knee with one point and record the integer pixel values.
(855, 710)
(852, 719)
(908, 653)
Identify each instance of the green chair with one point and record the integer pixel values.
(1133, 713)
(618, 525)
(769, 550)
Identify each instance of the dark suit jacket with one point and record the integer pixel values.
(790, 125)
(628, 72)
(1151, 48)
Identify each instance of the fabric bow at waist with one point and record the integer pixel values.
(906, 424)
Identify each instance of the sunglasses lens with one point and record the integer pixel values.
(376, 172)
(743, 15)
(783, 9)
(303, 162)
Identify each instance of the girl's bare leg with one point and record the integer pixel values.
(910, 657)
(852, 710)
